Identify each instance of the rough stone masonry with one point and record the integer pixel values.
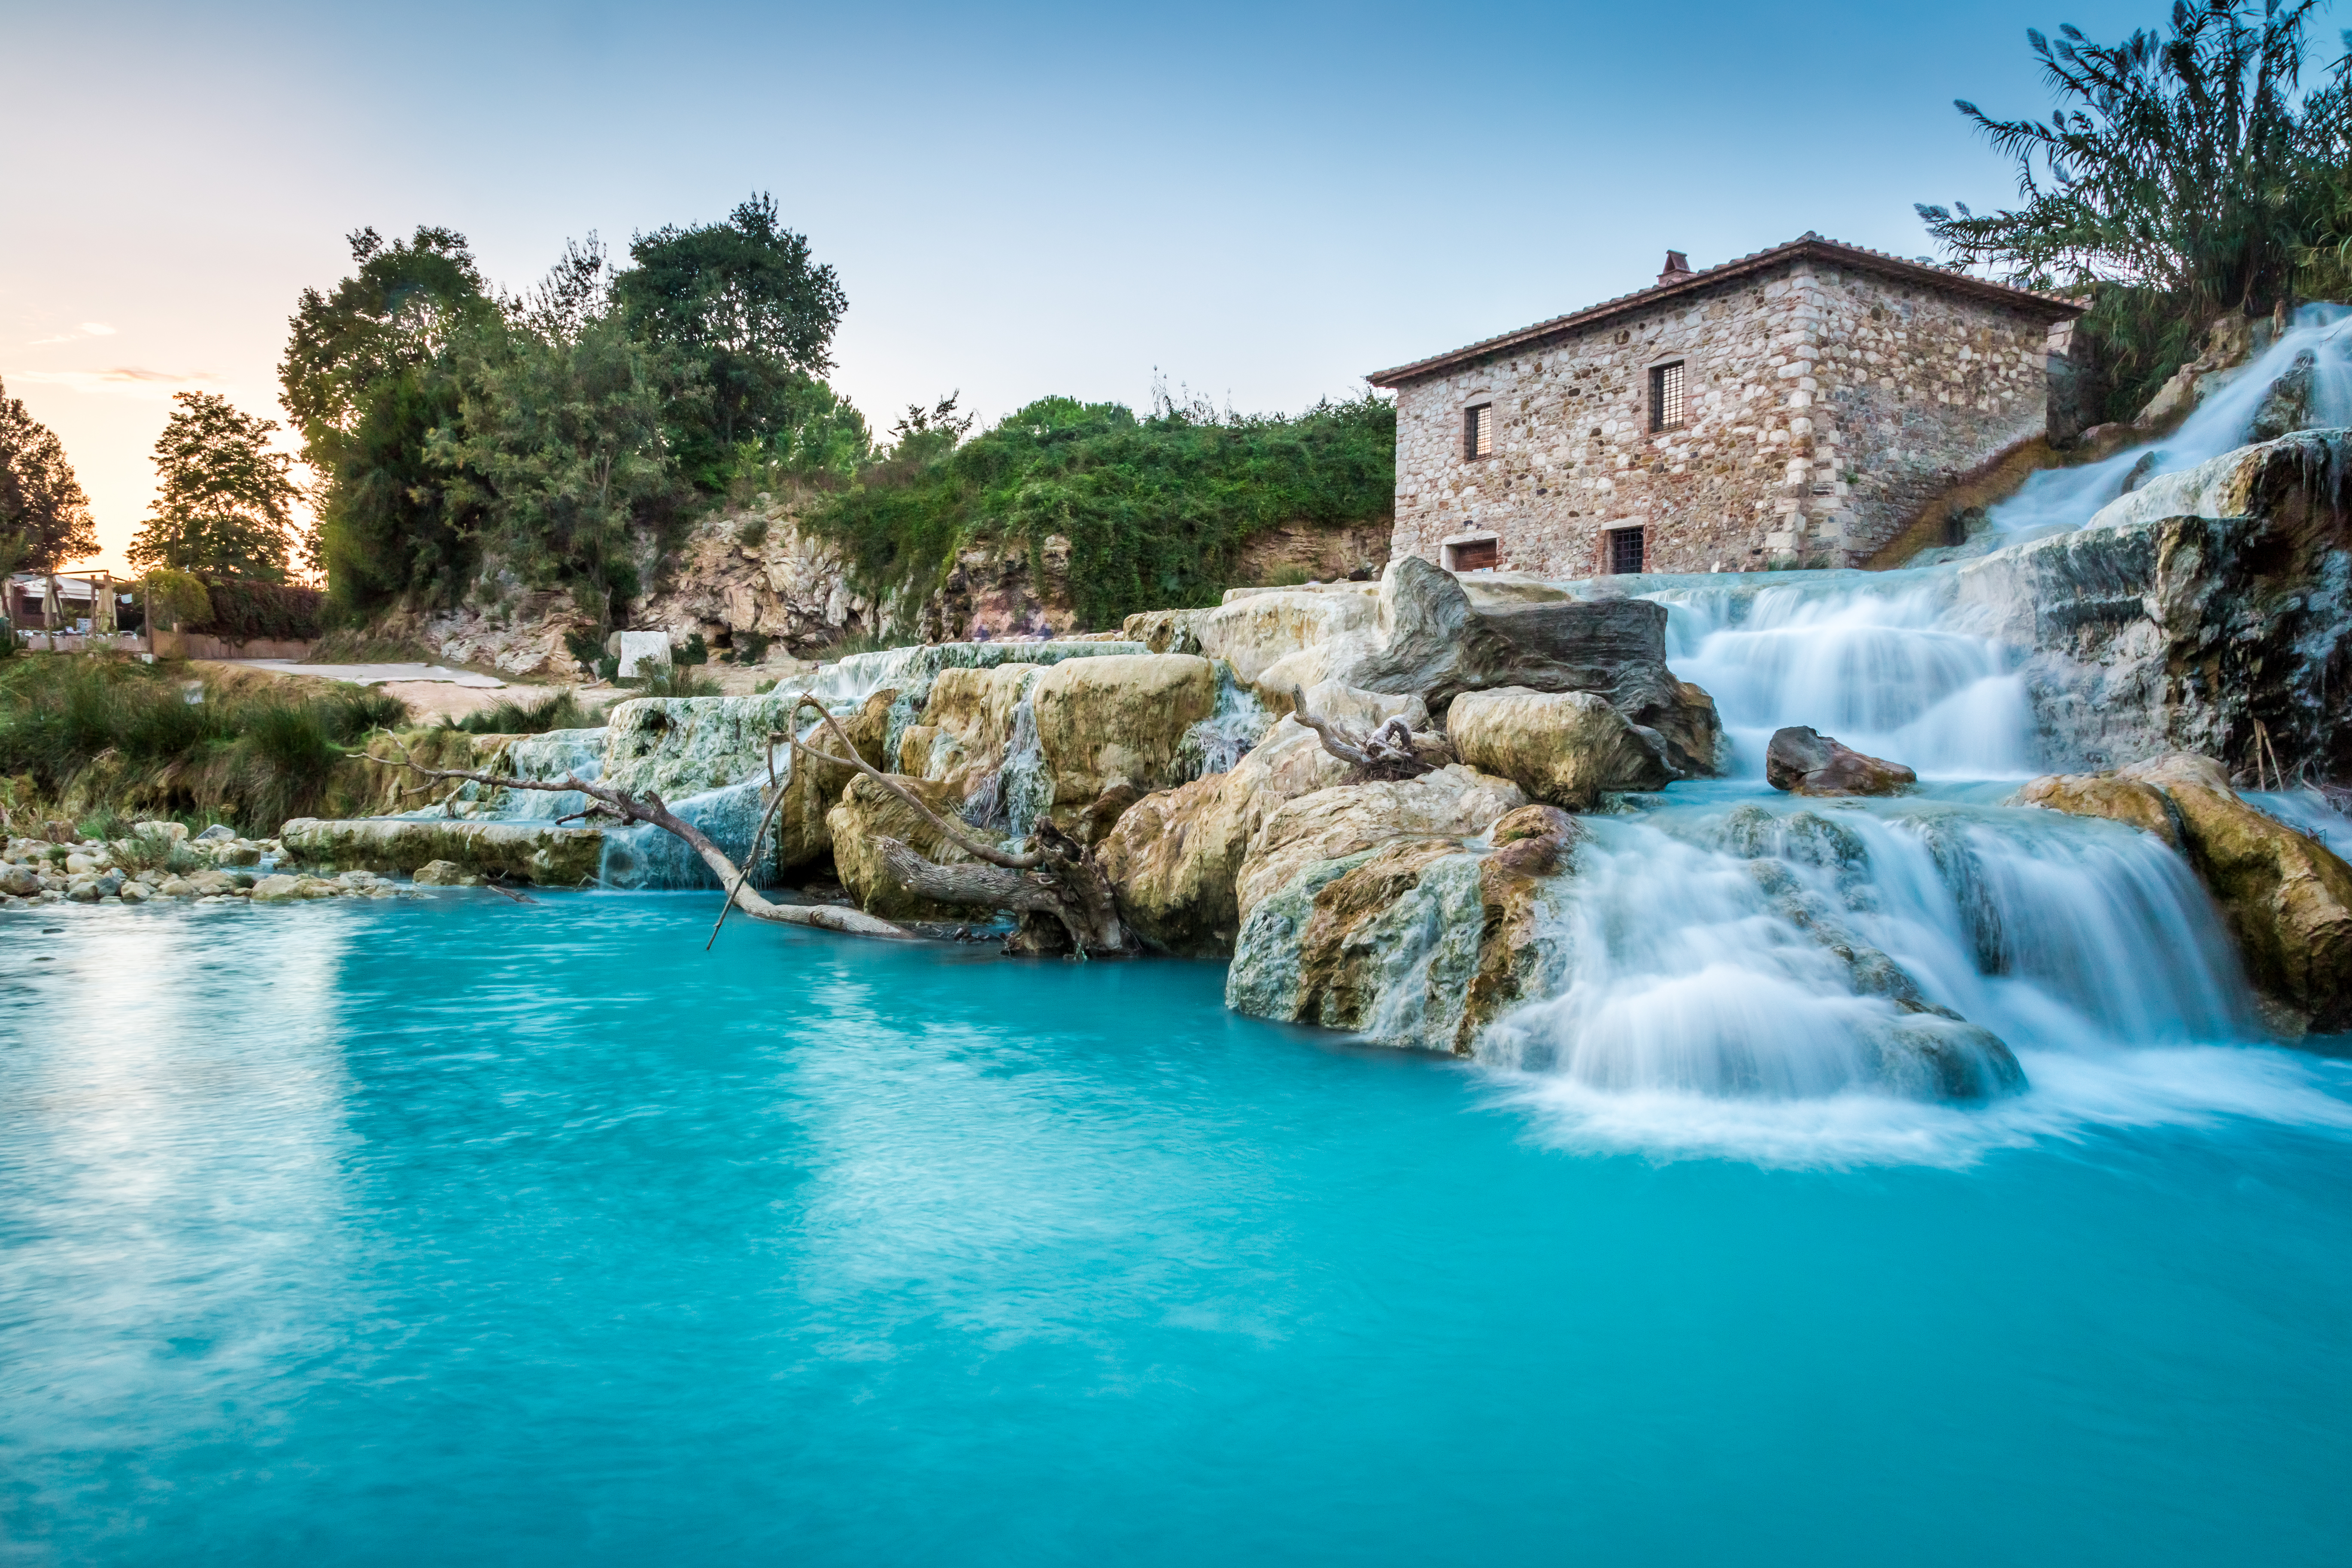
(1798, 406)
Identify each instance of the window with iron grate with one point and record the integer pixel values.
(1477, 555)
(1667, 409)
(1478, 431)
(1626, 549)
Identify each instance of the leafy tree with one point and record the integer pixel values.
(367, 380)
(742, 307)
(560, 445)
(45, 519)
(227, 505)
(2182, 177)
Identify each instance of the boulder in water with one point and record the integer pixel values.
(1174, 857)
(1803, 761)
(2286, 407)
(1452, 801)
(2286, 898)
(1418, 941)
(1120, 717)
(1564, 747)
(868, 815)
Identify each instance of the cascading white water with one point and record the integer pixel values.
(1732, 969)
(2060, 499)
(1868, 658)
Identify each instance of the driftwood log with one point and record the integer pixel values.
(1385, 754)
(1057, 878)
(620, 805)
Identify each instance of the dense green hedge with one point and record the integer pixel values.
(1156, 509)
(247, 612)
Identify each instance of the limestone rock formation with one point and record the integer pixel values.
(869, 814)
(1805, 761)
(1125, 717)
(1418, 941)
(1437, 644)
(2185, 614)
(1564, 747)
(802, 831)
(526, 851)
(1452, 801)
(2286, 898)
(1174, 857)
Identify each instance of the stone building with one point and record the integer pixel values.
(1799, 406)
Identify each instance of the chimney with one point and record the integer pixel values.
(1678, 268)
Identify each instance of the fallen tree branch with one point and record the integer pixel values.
(1064, 878)
(1386, 753)
(623, 806)
(953, 832)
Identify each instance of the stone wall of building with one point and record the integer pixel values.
(1825, 405)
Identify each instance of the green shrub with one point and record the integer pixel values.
(103, 823)
(752, 647)
(1155, 510)
(696, 652)
(560, 711)
(752, 531)
(146, 740)
(675, 680)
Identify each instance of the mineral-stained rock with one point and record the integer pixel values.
(22, 881)
(527, 851)
(2185, 614)
(869, 814)
(440, 874)
(2285, 408)
(1173, 857)
(813, 788)
(1439, 645)
(2286, 898)
(277, 890)
(1563, 747)
(1803, 760)
(1454, 802)
(1123, 717)
(177, 888)
(1418, 941)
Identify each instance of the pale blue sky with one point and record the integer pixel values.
(1265, 201)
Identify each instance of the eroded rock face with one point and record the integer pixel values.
(1805, 761)
(2186, 613)
(1418, 941)
(1438, 644)
(802, 831)
(1174, 857)
(869, 814)
(1454, 802)
(2286, 898)
(1564, 747)
(1124, 718)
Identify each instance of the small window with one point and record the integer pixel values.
(1477, 555)
(1626, 549)
(1478, 431)
(1666, 408)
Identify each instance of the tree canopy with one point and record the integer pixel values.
(742, 302)
(226, 506)
(2182, 175)
(45, 519)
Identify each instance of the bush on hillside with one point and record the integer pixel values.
(1156, 509)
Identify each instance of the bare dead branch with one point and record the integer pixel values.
(622, 806)
(953, 832)
(1386, 753)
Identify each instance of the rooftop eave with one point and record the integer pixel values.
(2047, 307)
